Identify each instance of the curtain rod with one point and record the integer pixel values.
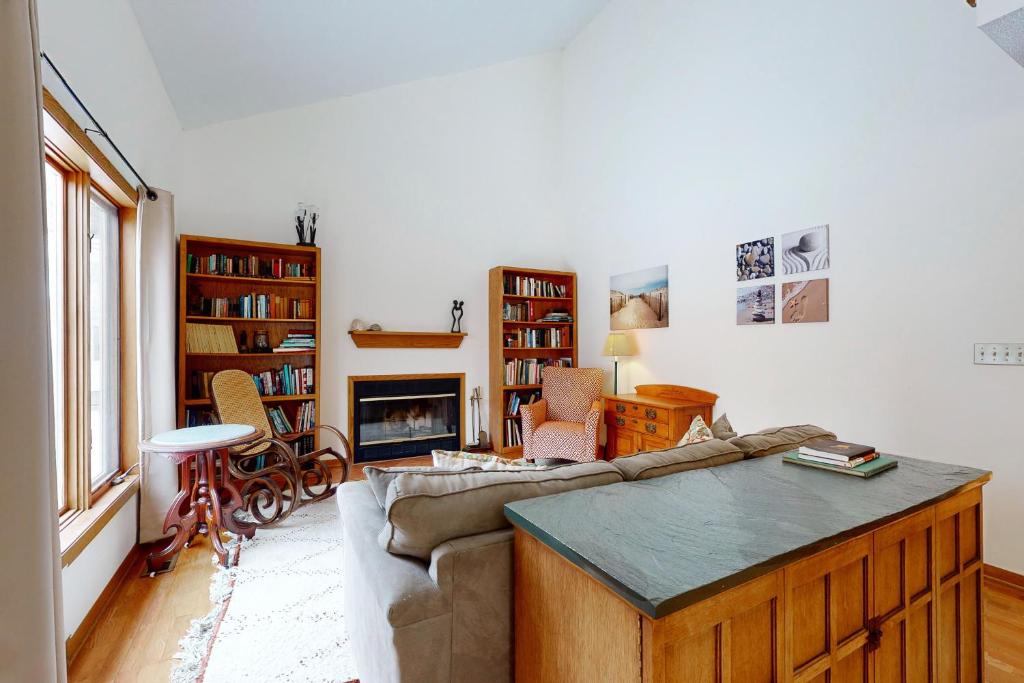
(150, 194)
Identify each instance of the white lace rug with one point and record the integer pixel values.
(278, 612)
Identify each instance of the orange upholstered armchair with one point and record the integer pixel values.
(564, 424)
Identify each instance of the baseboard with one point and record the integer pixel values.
(74, 642)
(1004, 576)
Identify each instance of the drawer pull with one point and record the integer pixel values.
(619, 408)
(651, 413)
(651, 428)
(620, 421)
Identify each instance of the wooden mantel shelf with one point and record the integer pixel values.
(387, 339)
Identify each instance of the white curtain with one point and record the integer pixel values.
(31, 615)
(156, 296)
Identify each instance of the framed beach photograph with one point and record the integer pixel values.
(639, 300)
(755, 305)
(805, 301)
(755, 260)
(805, 250)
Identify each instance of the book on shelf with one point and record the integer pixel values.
(252, 305)
(530, 286)
(297, 340)
(247, 266)
(836, 450)
(530, 370)
(538, 338)
(199, 417)
(513, 434)
(515, 400)
(867, 469)
(556, 316)
(288, 381)
(200, 338)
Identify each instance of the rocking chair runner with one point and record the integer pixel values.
(275, 481)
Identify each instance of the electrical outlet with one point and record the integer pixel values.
(991, 353)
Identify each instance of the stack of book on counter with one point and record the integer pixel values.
(840, 456)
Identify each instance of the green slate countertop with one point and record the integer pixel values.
(663, 544)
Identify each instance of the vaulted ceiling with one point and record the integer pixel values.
(227, 59)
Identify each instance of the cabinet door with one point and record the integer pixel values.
(653, 443)
(624, 441)
(828, 614)
(733, 637)
(958, 574)
(904, 600)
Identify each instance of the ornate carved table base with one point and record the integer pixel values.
(206, 502)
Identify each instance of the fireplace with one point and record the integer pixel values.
(398, 416)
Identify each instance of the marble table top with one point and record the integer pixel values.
(663, 544)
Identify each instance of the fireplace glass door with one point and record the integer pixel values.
(398, 419)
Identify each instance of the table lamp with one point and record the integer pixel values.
(618, 344)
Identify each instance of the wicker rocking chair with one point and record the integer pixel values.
(275, 482)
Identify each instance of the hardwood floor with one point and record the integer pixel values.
(138, 633)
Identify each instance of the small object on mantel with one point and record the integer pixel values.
(390, 339)
(375, 327)
(357, 325)
(457, 321)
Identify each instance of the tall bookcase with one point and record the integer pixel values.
(525, 338)
(296, 287)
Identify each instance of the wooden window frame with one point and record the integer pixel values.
(85, 170)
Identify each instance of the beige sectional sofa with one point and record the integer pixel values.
(428, 556)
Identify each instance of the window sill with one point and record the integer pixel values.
(85, 526)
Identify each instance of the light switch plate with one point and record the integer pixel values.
(993, 353)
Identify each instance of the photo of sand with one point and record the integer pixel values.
(639, 300)
(755, 305)
(805, 301)
(805, 250)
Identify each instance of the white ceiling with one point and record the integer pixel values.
(226, 59)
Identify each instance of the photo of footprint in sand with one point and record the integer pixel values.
(805, 301)
(805, 250)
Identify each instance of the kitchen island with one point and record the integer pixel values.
(754, 571)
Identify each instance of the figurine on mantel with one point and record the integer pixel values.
(457, 321)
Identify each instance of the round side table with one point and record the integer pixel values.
(203, 504)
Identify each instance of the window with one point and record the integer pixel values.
(83, 231)
(104, 245)
(55, 231)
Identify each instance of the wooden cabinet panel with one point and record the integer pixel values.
(829, 607)
(959, 610)
(624, 442)
(735, 636)
(653, 443)
(904, 599)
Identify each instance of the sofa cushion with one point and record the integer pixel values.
(426, 509)
(679, 459)
(381, 477)
(722, 428)
(698, 432)
(779, 439)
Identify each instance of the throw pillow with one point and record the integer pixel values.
(457, 460)
(698, 431)
(722, 428)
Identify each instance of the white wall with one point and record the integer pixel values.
(99, 48)
(422, 187)
(689, 127)
(86, 577)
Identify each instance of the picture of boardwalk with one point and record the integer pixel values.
(755, 305)
(805, 250)
(639, 300)
(805, 301)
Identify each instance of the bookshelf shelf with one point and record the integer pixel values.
(195, 290)
(231, 319)
(534, 307)
(271, 281)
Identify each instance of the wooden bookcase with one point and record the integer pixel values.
(191, 285)
(499, 353)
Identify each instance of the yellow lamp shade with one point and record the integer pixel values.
(619, 344)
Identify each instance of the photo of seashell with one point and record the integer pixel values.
(805, 250)
(755, 260)
(805, 301)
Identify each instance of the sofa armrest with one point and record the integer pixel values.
(592, 425)
(534, 415)
(445, 558)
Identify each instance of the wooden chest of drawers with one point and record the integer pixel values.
(653, 418)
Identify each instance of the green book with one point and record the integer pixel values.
(868, 469)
